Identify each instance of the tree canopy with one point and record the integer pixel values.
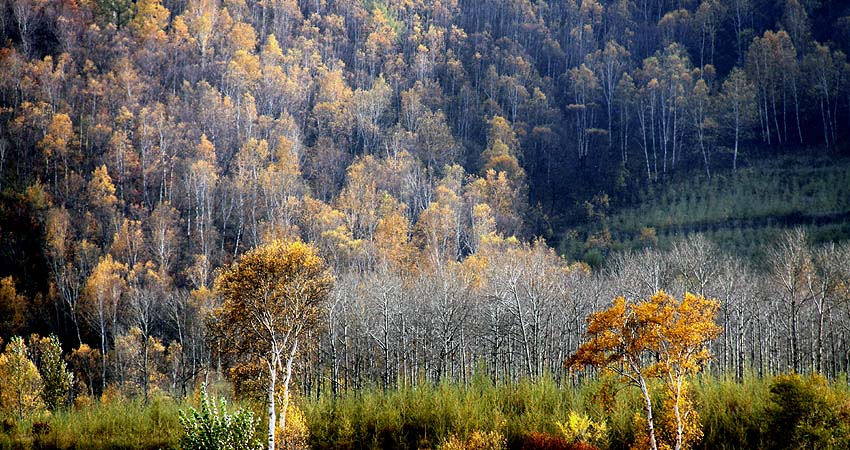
(270, 296)
(660, 337)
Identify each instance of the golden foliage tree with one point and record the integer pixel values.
(20, 382)
(12, 308)
(661, 338)
(103, 294)
(101, 196)
(271, 296)
(57, 145)
(150, 20)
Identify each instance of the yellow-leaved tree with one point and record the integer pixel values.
(271, 295)
(657, 338)
(20, 382)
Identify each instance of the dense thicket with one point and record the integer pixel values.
(144, 144)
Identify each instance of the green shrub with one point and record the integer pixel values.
(806, 413)
(212, 428)
(56, 378)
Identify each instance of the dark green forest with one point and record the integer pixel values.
(477, 176)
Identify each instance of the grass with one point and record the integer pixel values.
(128, 424)
(740, 211)
(731, 411)
(734, 414)
(115, 423)
(423, 415)
(119, 424)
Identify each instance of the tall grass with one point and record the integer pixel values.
(119, 424)
(734, 414)
(115, 423)
(424, 415)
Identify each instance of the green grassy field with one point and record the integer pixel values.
(114, 423)
(751, 413)
(740, 211)
(734, 414)
(119, 424)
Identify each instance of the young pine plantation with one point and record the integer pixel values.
(454, 224)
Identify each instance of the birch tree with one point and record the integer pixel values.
(660, 337)
(272, 295)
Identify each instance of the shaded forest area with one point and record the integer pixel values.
(421, 147)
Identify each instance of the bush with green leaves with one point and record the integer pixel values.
(805, 413)
(212, 428)
(55, 376)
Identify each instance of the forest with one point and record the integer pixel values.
(473, 182)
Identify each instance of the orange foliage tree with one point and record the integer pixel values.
(662, 338)
(271, 295)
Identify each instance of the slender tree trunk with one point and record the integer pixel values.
(386, 342)
(825, 124)
(145, 356)
(764, 117)
(776, 119)
(525, 339)
(102, 357)
(797, 110)
(272, 366)
(821, 305)
(740, 344)
(286, 380)
(795, 357)
(704, 153)
(737, 138)
(642, 117)
(76, 326)
(680, 427)
(649, 422)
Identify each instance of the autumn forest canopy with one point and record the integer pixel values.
(409, 168)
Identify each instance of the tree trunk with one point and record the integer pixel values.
(272, 414)
(145, 357)
(704, 154)
(286, 380)
(680, 427)
(102, 359)
(737, 137)
(648, 404)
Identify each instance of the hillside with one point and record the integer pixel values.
(744, 211)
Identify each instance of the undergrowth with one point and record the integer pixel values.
(753, 412)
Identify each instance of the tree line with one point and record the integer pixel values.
(511, 311)
(516, 311)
